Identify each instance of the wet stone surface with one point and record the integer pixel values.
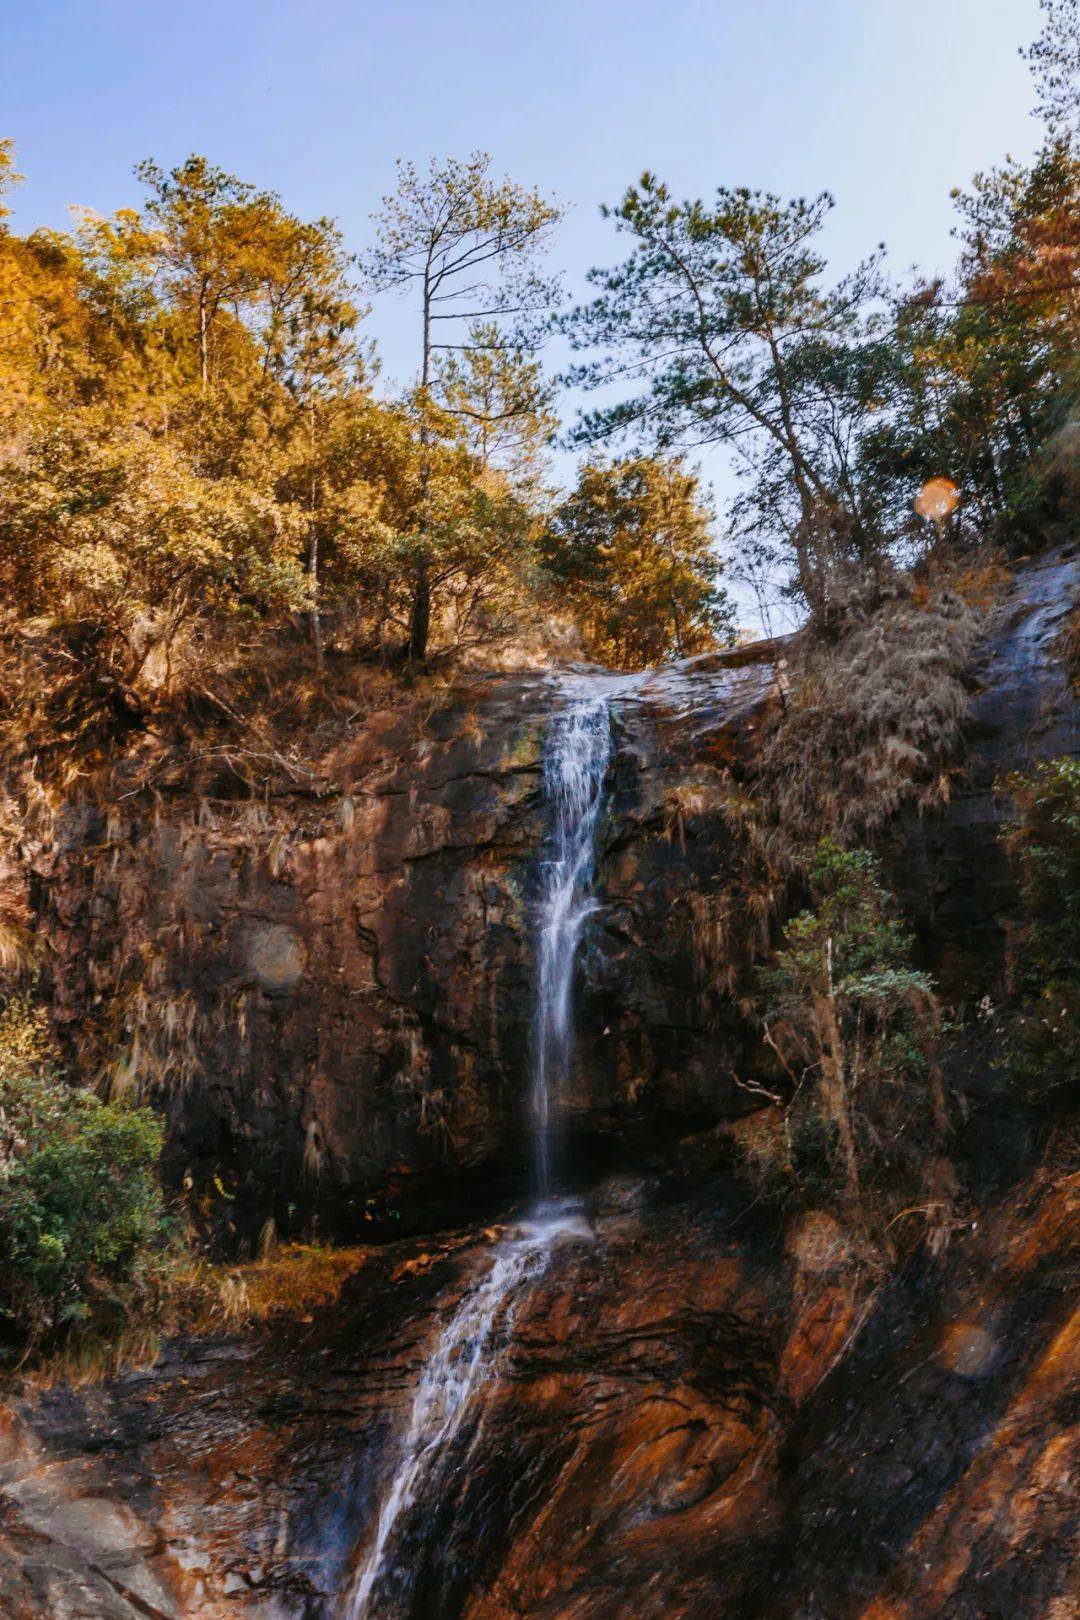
(668, 1434)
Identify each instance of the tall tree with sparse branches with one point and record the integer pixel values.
(505, 404)
(469, 245)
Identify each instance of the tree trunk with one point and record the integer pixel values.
(833, 1081)
(834, 1095)
(313, 575)
(676, 619)
(420, 618)
(313, 555)
(203, 324)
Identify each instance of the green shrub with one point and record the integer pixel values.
(84, 1233)
(854, 1024)
(1045, 952)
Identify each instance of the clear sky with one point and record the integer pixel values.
(887, 103)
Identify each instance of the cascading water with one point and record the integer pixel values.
(466, 1357)
(576, 758)
(463, 1360)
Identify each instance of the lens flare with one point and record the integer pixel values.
(937, 499)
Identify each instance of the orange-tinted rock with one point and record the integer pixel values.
(697, 1415)
(639, 1452)
(818, 1339)
(818, 1243)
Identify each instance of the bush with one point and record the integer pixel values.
(853, 1024)
(1045, 843)
(84, 1233)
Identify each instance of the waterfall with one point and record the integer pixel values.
(462, 1362)
(473, 1337)
(575, 760)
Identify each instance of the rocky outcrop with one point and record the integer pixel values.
(329, 990)
(692, 1419)
(327, 985)
(325, 990)
(703, 1410)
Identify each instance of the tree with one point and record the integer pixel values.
(981, 373)
(115, 536)
(504, 404)
(228, 256)
(310, 346)
(267, 299)
(187, 400)
(64, 343)
(1054, 59)
(84, 1234)
(632, 552)
(9, 179)
(210, 228)
(853, 1023)
(1044, 841)
(348, 468)
(1020, 270)
(470, 246)
(722, 316)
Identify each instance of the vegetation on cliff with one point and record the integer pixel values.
(1045, 948)
(854, 1024)
(84, 1236)
(196, 463)
(632, 549)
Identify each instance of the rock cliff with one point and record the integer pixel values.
(670, 1435)
(699, 1414)
(330, 992)
(329, 987)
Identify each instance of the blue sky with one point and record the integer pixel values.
(887, 103)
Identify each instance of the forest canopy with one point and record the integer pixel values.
(196, 453)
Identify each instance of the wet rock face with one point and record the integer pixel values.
(699, 1413)
(951, 868)
(327, 992)
(656, 1044)
(693, 1418)
(331, 997)
(331, 992)
(276, 957)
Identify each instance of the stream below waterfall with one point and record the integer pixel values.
(467, 1353)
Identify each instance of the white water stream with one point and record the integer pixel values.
(471, 1342)
(575, 760)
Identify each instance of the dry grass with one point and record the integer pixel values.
(198, 1298)
(871, 721)
(245, 754)
(686, 802)
(93, 1360)
(17, 952)
(290, 1280)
